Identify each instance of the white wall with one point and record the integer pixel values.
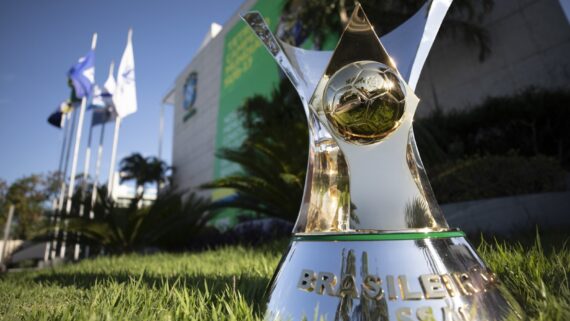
(193, 151)
(530, 43)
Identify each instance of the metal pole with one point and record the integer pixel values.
(59, 169)
(160, 131)
(70, 131)
(100, 153)
(7, 233)
(160, 139)
(84, 184)
(111, 181)
(96, 178)
(51, 236)
(86, 166)
(97, 171)
(71, 187)
(63, 143)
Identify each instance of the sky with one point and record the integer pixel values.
(39, 42)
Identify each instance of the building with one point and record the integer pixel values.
(230, 66)
(530, 43)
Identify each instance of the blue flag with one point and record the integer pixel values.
(82, 75)
(101, 116)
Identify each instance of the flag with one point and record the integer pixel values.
(101, 116)
(125, 96)
(82, 75)
(98, 100)
(103, 97)
(56, 118)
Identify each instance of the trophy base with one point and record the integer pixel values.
(387, 276)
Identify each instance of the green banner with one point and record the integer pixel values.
(247, 70)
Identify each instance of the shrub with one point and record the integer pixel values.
(490, 176)
(533, 122)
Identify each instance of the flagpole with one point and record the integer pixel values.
(111, 181)
(161, 131)
(97, 171)
(71, 187)
(84, 184)
(86, 165)
(63, 186)
(6, 233)
(74, 162)
(96, 179)
(100, 148)
(59, 168)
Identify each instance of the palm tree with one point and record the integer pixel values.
(156, 171)
(273, 156)
(169, 220)
(143, 171)
(270, 185)
(134, 167)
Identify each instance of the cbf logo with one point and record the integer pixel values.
(190, 95)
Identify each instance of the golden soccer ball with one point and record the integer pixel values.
(364, 101)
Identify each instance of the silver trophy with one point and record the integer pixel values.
(370, 242)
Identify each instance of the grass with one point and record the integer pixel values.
(228, 284)
(538, 276)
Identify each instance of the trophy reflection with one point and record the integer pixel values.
(370, 241)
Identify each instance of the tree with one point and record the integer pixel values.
(143, 171)
(133, 167)
(169, 221)
(322, 18)
(29, 195)
(3, 205)
(273, 156)
(156, 171)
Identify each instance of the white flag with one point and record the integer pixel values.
(125, 96)
(103, 97)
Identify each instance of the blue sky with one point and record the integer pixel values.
(40, 40)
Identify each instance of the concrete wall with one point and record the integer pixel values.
(506, 215)
(530, 43)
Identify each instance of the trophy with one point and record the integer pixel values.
(370, 241)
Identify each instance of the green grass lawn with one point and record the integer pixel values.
(228, 284)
